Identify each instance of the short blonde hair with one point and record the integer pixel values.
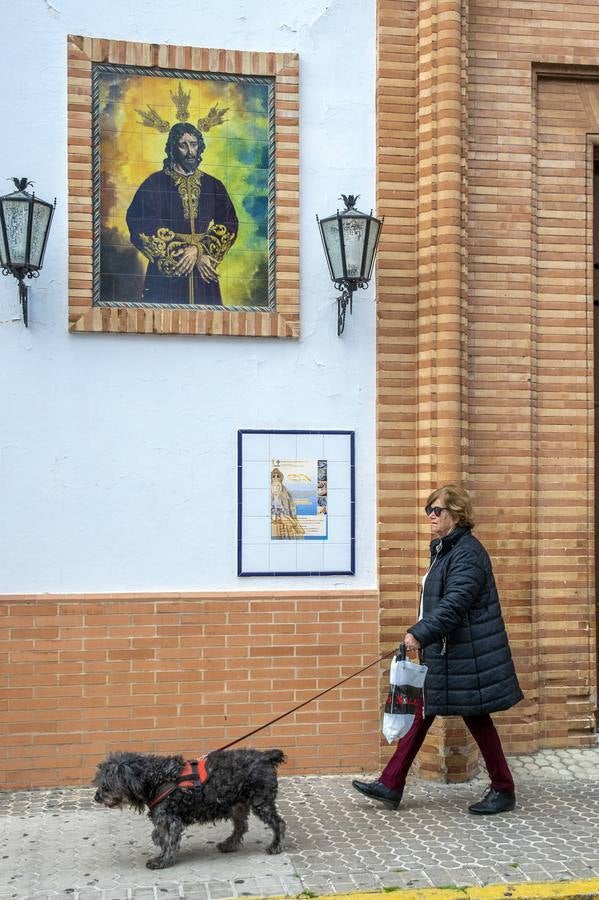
(457, 500)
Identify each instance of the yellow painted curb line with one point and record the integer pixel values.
(546, 890)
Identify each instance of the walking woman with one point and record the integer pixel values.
(461, 637)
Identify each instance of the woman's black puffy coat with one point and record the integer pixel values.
(462, 633)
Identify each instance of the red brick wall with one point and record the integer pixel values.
(530, 343)
(485, 332)
(184, 674)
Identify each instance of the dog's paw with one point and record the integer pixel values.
(158, 862)
(228, 846)
(275, 848)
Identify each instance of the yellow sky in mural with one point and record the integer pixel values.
(236, 153)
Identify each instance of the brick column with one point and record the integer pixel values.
(398, 540)
(441, 242)
(442, 313)
(422, 365)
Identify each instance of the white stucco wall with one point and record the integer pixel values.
(118, 452)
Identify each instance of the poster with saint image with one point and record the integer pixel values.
(184, 180)
(298, 499)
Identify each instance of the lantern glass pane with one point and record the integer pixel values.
(41, 216)
(330, 233)
(16, 217)
(3, 253)
(375, 227)
(354, 235)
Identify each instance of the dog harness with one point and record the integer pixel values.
(193, 774)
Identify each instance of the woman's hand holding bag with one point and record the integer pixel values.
(405, 689)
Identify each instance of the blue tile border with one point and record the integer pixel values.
(352, 512)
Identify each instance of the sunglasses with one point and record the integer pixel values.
(437, 510)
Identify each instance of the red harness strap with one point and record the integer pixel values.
(193, 774)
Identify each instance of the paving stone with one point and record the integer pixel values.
(338, 841)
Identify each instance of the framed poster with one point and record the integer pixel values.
(183, 190)
(295, 502)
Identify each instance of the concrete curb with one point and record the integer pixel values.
(546, 890)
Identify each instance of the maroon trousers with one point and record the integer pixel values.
(482, 730)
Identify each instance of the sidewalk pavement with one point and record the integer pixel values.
(59, 843)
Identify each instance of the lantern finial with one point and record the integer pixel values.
(22, 183)
(350, 200)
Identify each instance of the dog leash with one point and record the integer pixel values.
(305, 703)
(197, 767)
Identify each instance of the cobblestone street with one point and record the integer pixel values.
(60, 844)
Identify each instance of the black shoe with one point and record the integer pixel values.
(376, 790)
(494, 802)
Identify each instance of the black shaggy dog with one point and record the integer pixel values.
(237, 781)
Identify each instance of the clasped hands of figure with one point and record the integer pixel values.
(190, 256)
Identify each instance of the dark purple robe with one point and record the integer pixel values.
(170, 211)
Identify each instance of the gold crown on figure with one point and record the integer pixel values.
(152, 119)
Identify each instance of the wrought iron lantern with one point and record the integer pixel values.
(24, 228)
(350, 239)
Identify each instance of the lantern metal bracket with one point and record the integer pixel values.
(20, 274)
(346, 297)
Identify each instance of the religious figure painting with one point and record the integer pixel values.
(183, 189)
(184, 166)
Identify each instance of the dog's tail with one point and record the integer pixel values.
(275, 757)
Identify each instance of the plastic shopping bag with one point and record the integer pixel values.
(406, 682)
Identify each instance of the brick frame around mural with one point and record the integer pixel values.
(84, 316)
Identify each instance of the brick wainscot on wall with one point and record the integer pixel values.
(185, 673)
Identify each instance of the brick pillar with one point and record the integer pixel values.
(422, 365)
(442, 312)
(397, 362)
(441, 242)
